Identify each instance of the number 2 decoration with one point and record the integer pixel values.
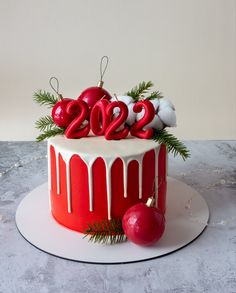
(104, 121)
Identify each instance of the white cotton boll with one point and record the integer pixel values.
(125, 99)
(155, 103)
(132, 115)
(165, 103)
(168, 116)
(155, 123)
(116, 110)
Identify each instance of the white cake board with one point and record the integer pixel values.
(36, 225)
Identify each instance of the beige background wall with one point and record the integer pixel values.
(186, 47)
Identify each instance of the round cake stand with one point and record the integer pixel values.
(186, 217)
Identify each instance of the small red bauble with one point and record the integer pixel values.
(143, 224)
(93, 94)
(59, 114)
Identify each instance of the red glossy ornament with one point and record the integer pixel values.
(99, 119)
(111, 131)
(149, 113)
(93, 94)
(59, 114)
(76, 129)
(144, 225)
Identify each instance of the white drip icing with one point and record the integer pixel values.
(49, 178)
(89, 163)
(108, 165)
(91, 148)
(67, 157)
(140, 175)
(57, 171)
(125, 175)
(125, 178)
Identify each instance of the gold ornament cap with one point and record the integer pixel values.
(101, 83)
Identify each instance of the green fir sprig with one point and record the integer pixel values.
(47, 127)
(45, 98)
(50, 133)
(140, 90)
(155, 95)
(174, 146)
(106, 232)
(44, 123)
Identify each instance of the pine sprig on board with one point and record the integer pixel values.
(174, 146)
(44, 123)
(45, 98)
(139, 90)
(106, 232)
(155, 95)
(50, 132)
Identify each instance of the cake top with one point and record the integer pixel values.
(141, 114)
(98, 146)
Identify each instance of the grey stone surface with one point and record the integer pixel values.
(206, 265)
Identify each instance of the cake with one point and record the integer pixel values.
(107, 161)
(92, 179)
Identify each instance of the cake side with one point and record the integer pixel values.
(92, 179)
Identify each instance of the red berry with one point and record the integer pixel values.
(143, 225)
(59, 114)
(93, 94)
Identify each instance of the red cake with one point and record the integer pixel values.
(93, 179)
(107, 160)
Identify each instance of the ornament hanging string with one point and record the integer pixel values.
(103, 67)
(116, 97)
(56, 90)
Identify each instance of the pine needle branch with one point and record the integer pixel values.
(139, 90)
(172, 143)
(49, 133)
(155, 95)
(45, 98)
(106, 232)
(45, 123)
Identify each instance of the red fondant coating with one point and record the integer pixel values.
(80, 215)
(162, 183)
